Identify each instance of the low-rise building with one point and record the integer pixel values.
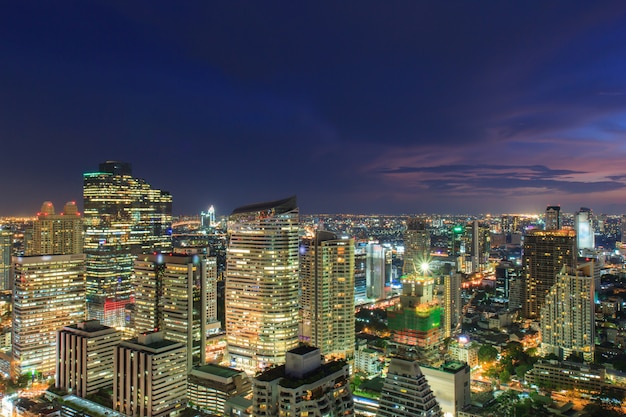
(210, 386)
(567, 375)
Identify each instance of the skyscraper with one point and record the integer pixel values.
(261, 297)
(6, 268)
(451, 303)
(56, 234)
(376, 272)
(553, 218)
(124, 217)
(327, 294)
(545, 254)
(477, 245)
(567, 317)
(406, 393)
(416, 245)
(48, 291)
(584, 229)
(176, 294)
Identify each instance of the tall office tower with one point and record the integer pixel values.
(124, 217)
(360, 277)
(567, 317)
(553, 218)
(303, 386)
(49, 293)
(176, 294)
(623, 229)
(327, 294)
(150, 376)
(456, 247)
(415, 322)
(416, 245)
(477, 245)
(85, 357)
(406, 393)
(49, 289)
(375, 271)
(545, 253)
(584, 229)
(56, 234)
(6, 267)
(452, 303)
(261, 296)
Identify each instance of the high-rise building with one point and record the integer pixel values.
(406, 392)
(452, 303)
(261, 298)
(584, 229)
(85, 357)
(124, 217)
(477, 246)
(177, 295)
(553, 218)
(327, 294)
(360, 277)
(376, 271)
(48, 293)
(6, 267)
(545, 252)
(150, 376)
(303, 387)
(48, 290)
(56, 234)
(567, 316)
(416, 245)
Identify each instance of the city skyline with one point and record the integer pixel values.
(414, 107)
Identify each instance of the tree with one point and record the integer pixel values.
(487, 353)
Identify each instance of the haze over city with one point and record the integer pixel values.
(364, 107)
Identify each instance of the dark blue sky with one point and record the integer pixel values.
(367, 107)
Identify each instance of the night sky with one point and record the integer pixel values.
(354, 106)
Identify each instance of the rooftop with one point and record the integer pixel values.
(218, 370)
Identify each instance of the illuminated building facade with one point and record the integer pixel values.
(261, 297)
(48, 293)
(303, 386)
(377, 270)
(416, 245)
(477, 246)
(327, 294)
(85, 357)
(567, 316)
(406, 392)
(56, 234)
(553, 218)
(360, 277)
(6, 267)
(584, 229)
(124, 217)
(450, 384)
(177, 295)
(150, 376)
(545, 252)
(452, 303)
(210, 386)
